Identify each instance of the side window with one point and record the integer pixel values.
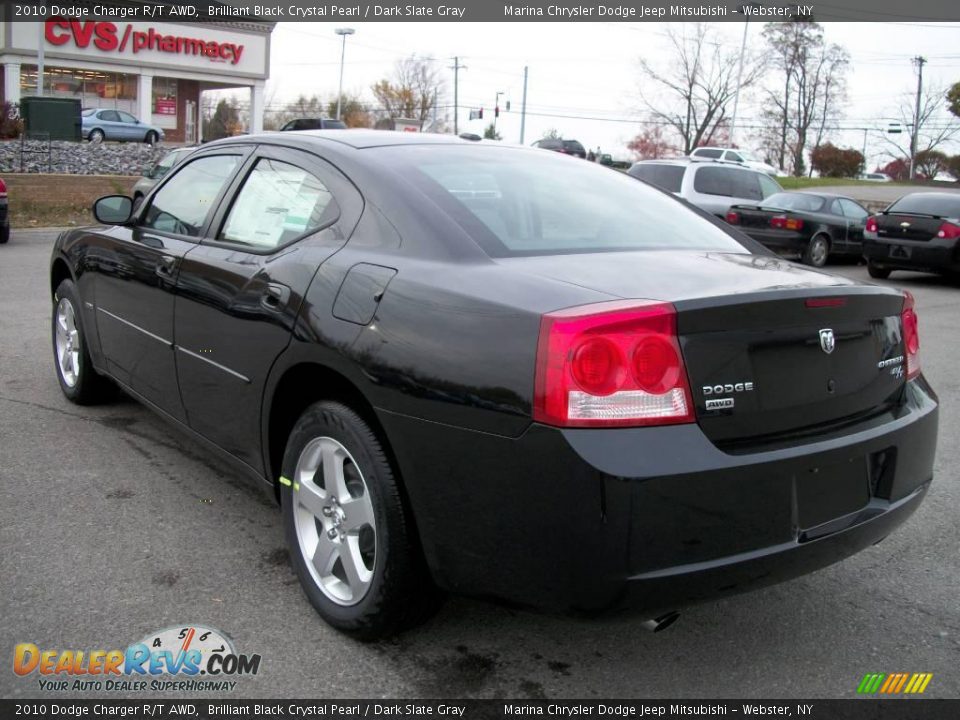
(126, 117)
(711, 153)
(713, 181)
(183, 204)
(835, 208)
(768, 186)
(852, 210)
(731, 155)
(277, 203)
(746, 185)
(110, 116)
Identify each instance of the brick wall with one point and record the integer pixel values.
(64, 189)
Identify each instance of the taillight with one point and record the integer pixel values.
(3, 189)
(783, 222)
(611, 364)
(871, 225)
(911, 336)
(733, 217)
(949, 231)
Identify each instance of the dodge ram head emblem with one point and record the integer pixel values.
(827, 341)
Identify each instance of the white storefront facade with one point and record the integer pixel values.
(153, 70)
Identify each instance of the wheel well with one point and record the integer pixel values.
(301, 386)
(58, 273)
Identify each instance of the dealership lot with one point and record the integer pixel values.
(113, 526)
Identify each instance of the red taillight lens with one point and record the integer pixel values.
(783, 222)
(733, 217)
(611, 364)
(911, 336)
(871, 225)
(949, 231)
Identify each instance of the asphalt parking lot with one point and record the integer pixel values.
(113, 525)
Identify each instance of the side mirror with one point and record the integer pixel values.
(113, 210)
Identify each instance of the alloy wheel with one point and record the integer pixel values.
(68, 343)
(334, 520)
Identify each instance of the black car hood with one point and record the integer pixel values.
(672, 275)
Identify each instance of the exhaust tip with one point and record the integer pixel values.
(662, 622)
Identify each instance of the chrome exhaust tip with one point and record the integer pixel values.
(662, 622)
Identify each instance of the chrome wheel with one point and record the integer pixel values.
(68, 343)
(334, 521)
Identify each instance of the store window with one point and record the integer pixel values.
(164, 105)
(94, 88)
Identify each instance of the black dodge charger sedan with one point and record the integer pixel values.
(811, 225)
(920, 231)
(490, 370)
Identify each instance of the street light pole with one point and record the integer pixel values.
(342, 32)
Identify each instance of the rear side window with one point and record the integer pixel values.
(277, 203)
(707, 153)
(852, 210)
(665, 177)
(182, 205)
(768, 185)
(514, 203)
(926, 204)
(110, 116)
(713, 181)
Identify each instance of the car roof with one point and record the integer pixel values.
(358, 138)
(824, 195)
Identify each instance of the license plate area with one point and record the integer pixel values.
(829, 492)
(900, 251)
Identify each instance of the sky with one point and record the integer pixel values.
(584, 78)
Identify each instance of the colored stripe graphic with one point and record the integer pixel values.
(894, 683)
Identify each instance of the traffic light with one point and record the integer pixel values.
(496, 111)
(480, 114)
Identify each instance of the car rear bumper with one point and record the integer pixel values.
(654, 518)
(934, 255)
(781, 240)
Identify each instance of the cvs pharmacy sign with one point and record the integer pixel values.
(108, 37)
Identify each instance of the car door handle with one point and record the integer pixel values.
(166, 266)
(275, 296)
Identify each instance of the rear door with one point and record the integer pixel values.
(240, 291)
(856, 217)
(109, 122)
(137, 274)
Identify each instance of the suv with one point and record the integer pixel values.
(314, 124)
(711, 186)
(567, 147)
(741, 157)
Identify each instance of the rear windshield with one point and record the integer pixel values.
(514, 202)
(334, 125)
(794, 201)
(942, 205)
(666, 177)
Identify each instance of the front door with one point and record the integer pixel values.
(137, 276)
(240, 291)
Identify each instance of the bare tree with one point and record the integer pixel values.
(812, 87)
(412, 91)
(700, 84)
(936, 126)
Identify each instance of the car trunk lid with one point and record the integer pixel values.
(907, 226)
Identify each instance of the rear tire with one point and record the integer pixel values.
(875, 271)
(817, 251)
(79, 381)
(96, 136)
(352, 540)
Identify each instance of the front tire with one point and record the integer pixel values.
(817, 251)
(352, 540)
(151, 138)
(78, 380)
(875, 271)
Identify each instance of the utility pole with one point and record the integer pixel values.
(456, 67)
(523, 108)
(920, 62)
(496, 110)
(342, 32)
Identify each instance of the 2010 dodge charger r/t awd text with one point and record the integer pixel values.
(501, 372)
